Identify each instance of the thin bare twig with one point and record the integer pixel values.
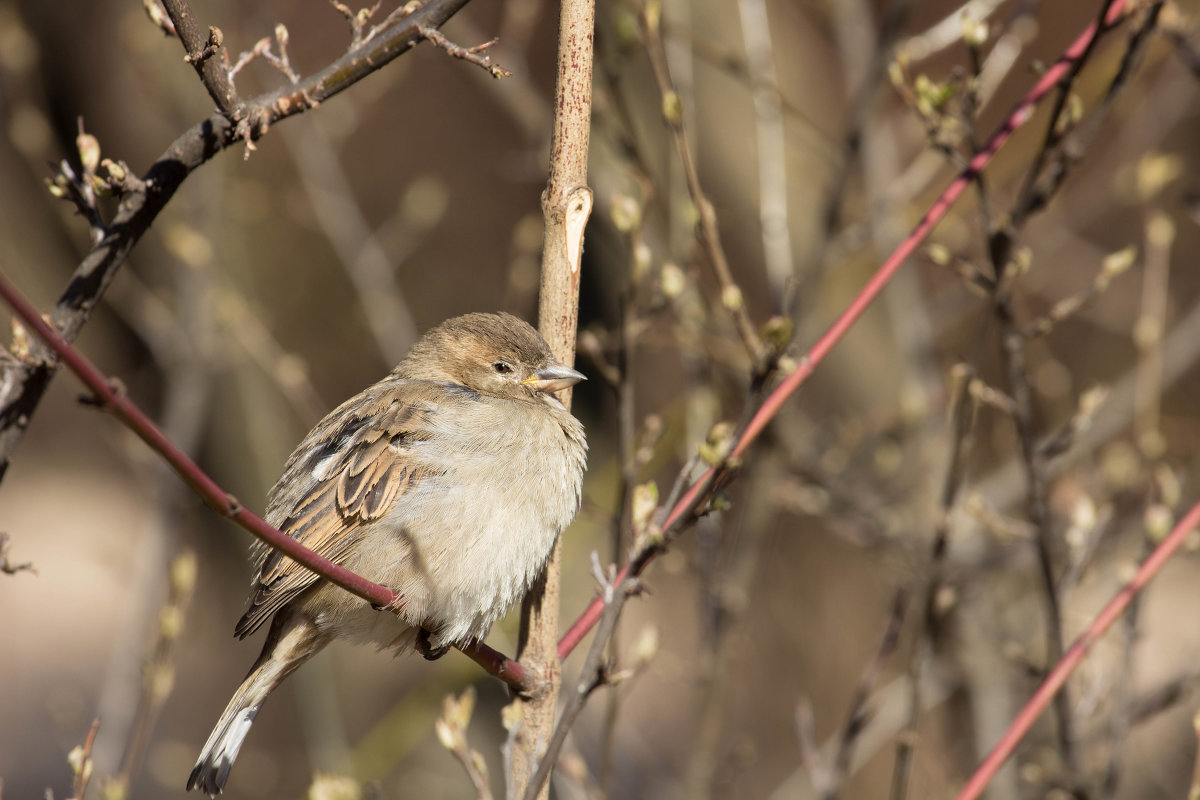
(771, 138)
(80, 759)
(1033, 197)
(469, 54)
(732, 298)
(856, 720)
(963, 413)
(592, 675)
(205, 52)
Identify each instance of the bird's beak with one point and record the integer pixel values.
(553, 377)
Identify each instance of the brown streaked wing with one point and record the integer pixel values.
(368, 439)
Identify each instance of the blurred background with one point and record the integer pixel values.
(276, 285)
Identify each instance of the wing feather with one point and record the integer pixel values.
(350, 470)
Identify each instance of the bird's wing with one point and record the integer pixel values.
(350, 470)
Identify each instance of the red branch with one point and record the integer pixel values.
(770, 407)
(1078, 650)
(222, 501)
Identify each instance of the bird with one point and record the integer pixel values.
(448, 481)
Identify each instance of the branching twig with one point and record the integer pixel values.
(963, 412)
(205, 52)
(468, 54)
(732, 298)
(25, 383)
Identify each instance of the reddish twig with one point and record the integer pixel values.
(81, 762)
(112, 399)
(770, 407)
(1076, 653)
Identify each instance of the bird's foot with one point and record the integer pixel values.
(423, 646)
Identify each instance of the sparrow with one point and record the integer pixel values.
(448, 481)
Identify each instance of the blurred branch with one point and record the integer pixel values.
(731, 298)
(1076, 653)
(1185, 49)
(288, 371)
(856, 40)
(772, 144)
(7, 566)
(888, 707)
(180, 335)
(356, 246)
(1148, 333)
(947, 31)
(856, 720)
(963, 415)
(141, 200)
(158, 675)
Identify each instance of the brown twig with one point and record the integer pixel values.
(1033, 197)
(963, 412)
(158, 676)
(732, 297)
(25, 382)
(80, 759)
(566, 206)
(859, 714)
(469, 54)
(205, 52)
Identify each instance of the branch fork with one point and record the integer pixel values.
(469, 54)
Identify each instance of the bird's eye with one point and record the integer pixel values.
(502, 367)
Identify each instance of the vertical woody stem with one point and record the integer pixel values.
(566, 205)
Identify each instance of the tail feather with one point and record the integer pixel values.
(212, 769)
(289, 644)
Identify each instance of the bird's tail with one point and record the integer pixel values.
(289, 644)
